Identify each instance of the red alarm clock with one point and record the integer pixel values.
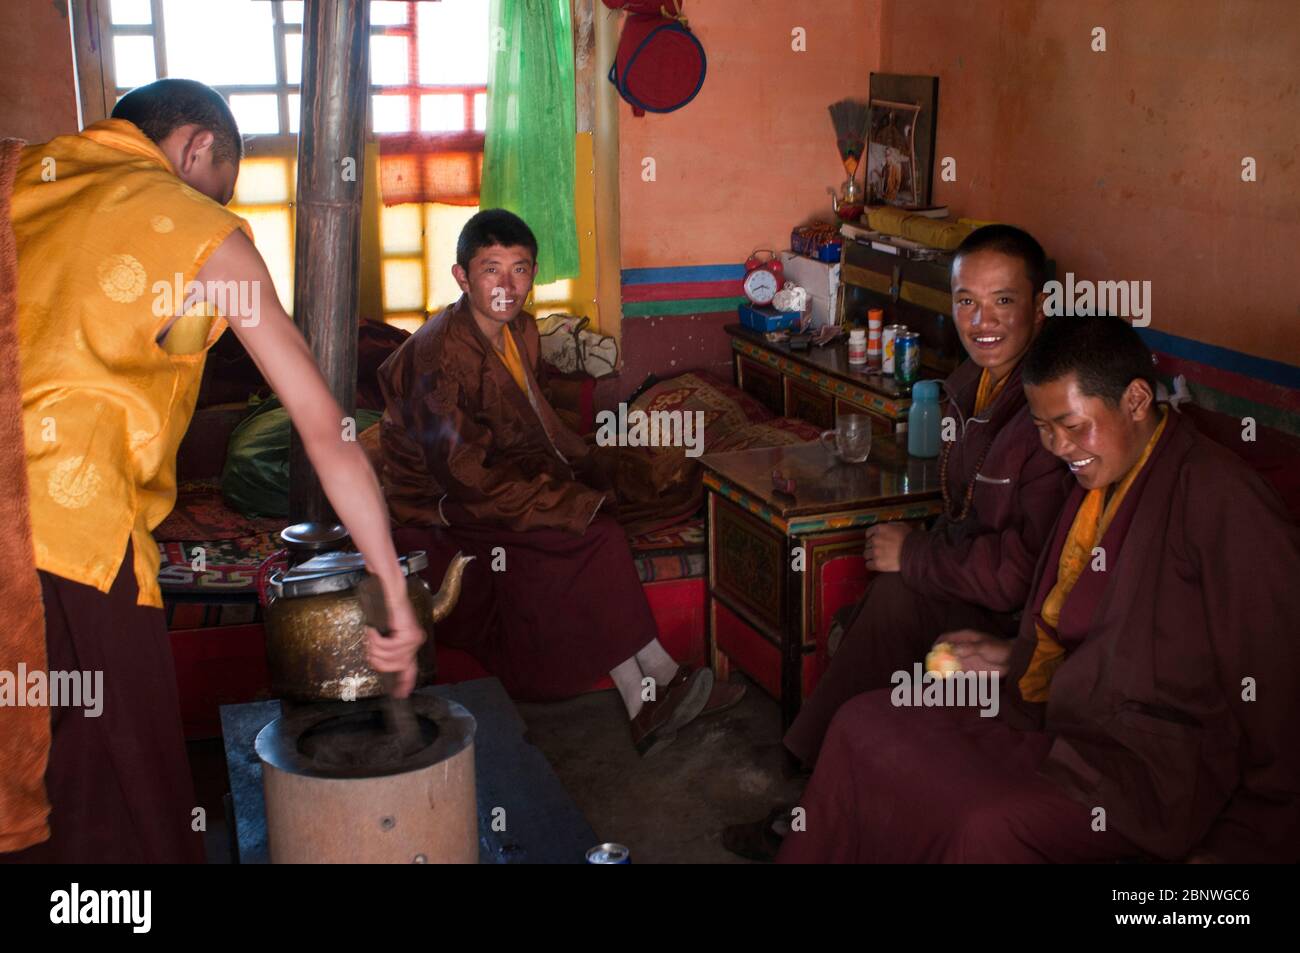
(763, 276)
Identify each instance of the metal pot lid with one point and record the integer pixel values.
(333, 572)
(313, 537)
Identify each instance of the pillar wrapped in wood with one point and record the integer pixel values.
(331, 167)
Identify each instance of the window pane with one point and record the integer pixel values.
(453, 42)
(295, 112)
(273, 236)
(387, 13)
(480, 111)
(442, 113)
(133, 60)
(406, 320)
(132, 11)
(262, 181)
(293, 59)
(293, 11)
(555, 293)
(390, 114)
(399, 229)
(388, 65)
(256, 114)
(403, 285)
(221, 44)
(441, 229)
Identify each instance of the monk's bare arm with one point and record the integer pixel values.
(284, 359)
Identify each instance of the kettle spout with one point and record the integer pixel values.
(444, 600)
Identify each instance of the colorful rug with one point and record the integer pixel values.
(201, 512)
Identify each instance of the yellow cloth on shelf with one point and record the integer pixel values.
(934, 232)
(107, 235)
(1088, 529)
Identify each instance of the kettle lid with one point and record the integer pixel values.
(333, 572)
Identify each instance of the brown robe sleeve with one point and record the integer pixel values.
(1248, 550)
(994, 569)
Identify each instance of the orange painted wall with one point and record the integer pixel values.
(38, 95)
(1127, 164)
(751, 156)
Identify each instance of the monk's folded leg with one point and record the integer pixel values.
(564, 609)
(894, 627)
(914, 785)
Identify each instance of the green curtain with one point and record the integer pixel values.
(528, 160)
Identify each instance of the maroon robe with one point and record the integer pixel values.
(1145, 718)
(973, 573)
(552, 601)
(119, 784)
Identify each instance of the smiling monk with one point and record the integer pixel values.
(1151, 698)
(1001, 491)
(472, 446)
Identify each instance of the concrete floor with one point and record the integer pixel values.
(669, 808)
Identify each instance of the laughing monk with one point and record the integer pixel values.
(1001, 492)
(1151, 700)
(110, 370)
(470, 444)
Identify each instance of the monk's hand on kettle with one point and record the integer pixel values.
(978, 651)
(395, 651)
(884, 546)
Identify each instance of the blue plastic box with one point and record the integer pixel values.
(762, 318)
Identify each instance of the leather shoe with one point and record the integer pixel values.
(682, 699)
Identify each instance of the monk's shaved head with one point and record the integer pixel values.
(162, 107)
(1104, 354)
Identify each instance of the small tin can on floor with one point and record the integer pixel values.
(609, 854)
(907, 357)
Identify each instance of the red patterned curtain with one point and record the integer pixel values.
(429, 118)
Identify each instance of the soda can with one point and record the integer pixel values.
(609, 854)
(907, 357)
(888, 336)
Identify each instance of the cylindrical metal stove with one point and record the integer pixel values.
(338, 790)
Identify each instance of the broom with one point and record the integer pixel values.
(850, 120)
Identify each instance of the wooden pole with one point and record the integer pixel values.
(331, 168)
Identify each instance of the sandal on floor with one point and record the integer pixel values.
(758, 840)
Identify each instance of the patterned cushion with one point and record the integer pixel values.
(725, 407)
(675, 552)
(777, 432)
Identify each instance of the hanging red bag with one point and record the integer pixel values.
(660, 65)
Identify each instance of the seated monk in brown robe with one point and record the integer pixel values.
(1150, 701)
(470, 444)
(1001, 492)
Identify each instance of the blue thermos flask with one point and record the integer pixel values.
(923, 420)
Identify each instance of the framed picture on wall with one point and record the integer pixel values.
(900, 139)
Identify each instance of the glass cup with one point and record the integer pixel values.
(851, 438)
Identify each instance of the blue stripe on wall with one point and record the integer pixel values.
(1260, 368)
(656, 276)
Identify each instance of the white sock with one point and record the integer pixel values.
(627, 679)
(657, 663)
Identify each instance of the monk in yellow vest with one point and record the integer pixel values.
(107, 224)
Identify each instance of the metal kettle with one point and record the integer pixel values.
(315, 626)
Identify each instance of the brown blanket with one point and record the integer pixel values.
(24, 732)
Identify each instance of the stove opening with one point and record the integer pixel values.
(360, 739)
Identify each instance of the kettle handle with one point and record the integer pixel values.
(277, 560)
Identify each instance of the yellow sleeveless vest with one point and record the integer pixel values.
(106, 236)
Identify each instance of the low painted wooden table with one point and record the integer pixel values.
(781, 565)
